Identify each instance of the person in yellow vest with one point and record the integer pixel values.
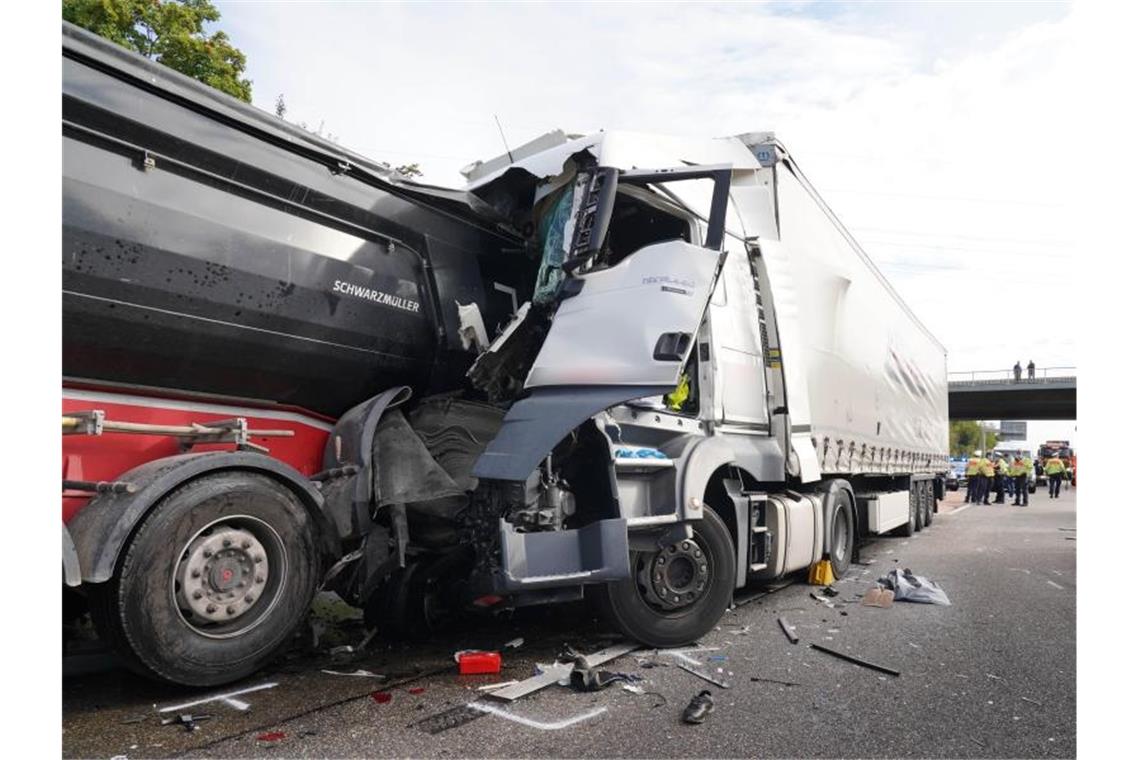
(972, 477)
(1001, 472)
(985, 478)
(1054, 469)
(1021, 470)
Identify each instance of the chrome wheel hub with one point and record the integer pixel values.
(222, 575)
(677, 575)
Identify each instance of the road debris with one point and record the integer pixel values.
(909, 587)
(186, 720)
(879, 597)
(499, 685)
(227, 698)
(448, 719)
(514, 643)
(417, 690)
(359, 673)
(855, 660)
(757, 679)
(381, 697)
(271, 736)
(1032, 701)
(996, 678)
(531, 723)
(704, 676)
(134, 719)
(789, 630)
(698, 708)
(586, 678)
(552, 674)
(475, 662)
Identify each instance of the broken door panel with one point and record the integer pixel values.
(630, 324)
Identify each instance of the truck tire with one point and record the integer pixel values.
(685, 599)
(927, 503)
(213, 582)
(907, 529)
(919, 502)
(841, 533)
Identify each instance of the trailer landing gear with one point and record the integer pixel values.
(676, 594)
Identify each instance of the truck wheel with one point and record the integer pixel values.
(919, 502)
(842, 533)
(678, 594)
(214, 580)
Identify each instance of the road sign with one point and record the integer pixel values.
(1013, 430)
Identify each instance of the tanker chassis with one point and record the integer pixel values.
(642, 370)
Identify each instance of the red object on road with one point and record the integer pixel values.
(382, 697)
(472, 663)
(271, 736)
(417, 690)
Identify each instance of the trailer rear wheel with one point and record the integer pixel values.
(213, 582)
(842, 533)
(677, 594)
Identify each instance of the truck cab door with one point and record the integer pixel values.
(632, 323)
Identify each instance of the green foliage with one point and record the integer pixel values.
(170, 32)
(965, 438)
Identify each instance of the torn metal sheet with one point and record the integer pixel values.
(217, 698)
(557, 725)
(556, 672)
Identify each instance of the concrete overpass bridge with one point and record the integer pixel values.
(996, 395)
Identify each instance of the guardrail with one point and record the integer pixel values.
(1006, 375)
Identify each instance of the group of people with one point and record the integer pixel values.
(1031, 368)
(1012, 477)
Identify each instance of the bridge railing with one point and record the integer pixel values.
(1006, 375)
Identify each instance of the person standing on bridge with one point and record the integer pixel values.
(1054, 469)
(1017, 371)
(972, 470)
(985, 479)
(1031, 368)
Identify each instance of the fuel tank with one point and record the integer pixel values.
(210, 247)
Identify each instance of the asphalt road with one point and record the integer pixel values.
(993, 675)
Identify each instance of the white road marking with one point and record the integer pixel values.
(530, 722)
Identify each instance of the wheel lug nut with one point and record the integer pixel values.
(195, 573)
(245, 544)
(260, 579)
(249, 598)
(257, 560)
(197, 595)
(226, 542)
(685, 545)
(211, 608)
(230, 610)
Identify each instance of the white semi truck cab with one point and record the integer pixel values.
(712, 384)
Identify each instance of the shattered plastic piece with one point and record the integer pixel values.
(585, 678)
(381, 697)
(552, 674)
(698, 708)
(909, 587)
(358, 673)
(271, 736)
(879, 597)
(633, 689)
(514, 643)
(475, 662)
(499, 685)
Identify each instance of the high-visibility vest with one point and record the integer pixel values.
(987, 468)
(1054, 466)
(1017, 469)
(1003, 467)
(972, 466)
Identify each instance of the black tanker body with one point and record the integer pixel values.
(209, 247)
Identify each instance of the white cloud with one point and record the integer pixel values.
(941, 134)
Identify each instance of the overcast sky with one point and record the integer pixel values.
(941, 134)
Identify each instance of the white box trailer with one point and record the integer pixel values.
(706, 309)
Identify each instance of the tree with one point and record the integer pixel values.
(965, 438)
(279, 106)
(170, 32)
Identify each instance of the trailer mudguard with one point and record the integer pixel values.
(348, 500)
(101, 529)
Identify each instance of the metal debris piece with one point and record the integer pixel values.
(855, 660)
(186, 720)
(448, 719)
(554, 673)
(704, 676)
(773, 680)
(1032, 701)
(514, 643)
(788, 630)
(359, 673)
